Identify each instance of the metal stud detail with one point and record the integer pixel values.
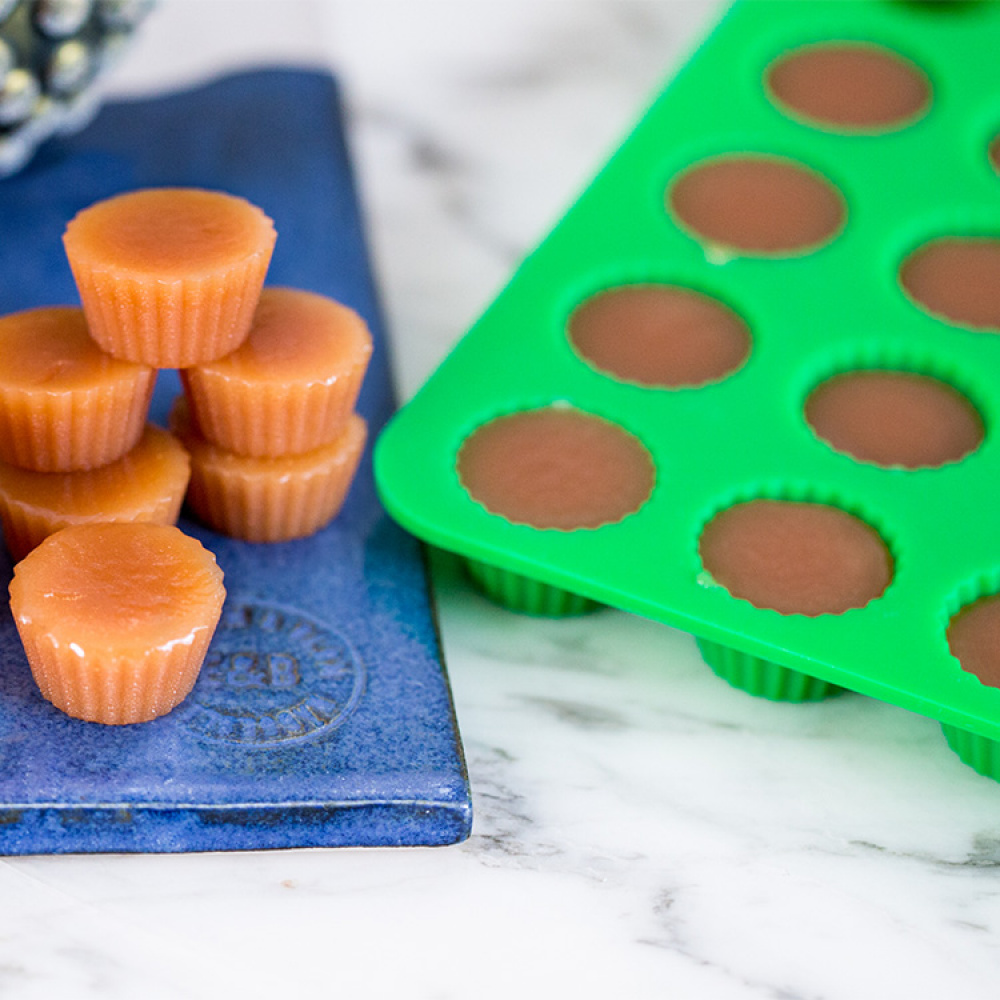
(51, 52)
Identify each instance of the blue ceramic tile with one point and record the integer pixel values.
(322, 715)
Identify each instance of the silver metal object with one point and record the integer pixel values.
(60, 18)
(19, 95)
(52, 52)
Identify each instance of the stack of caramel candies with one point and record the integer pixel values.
(172, 278)
(264, 442)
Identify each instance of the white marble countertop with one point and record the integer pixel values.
(641, 829)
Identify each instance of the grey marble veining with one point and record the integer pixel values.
(641, 829)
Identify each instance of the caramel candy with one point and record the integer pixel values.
(894, 419)
(64, 403)
(849, 86)
(146, 484)
(556, 467)
(796, 558)
(659, 335)
(269, 499)
(116, 618)
(293, 383)
(757, 205)
(170, 276)
(957, 279)
(974, 639)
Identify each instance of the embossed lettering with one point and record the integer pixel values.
(273, 675)
(282, 670)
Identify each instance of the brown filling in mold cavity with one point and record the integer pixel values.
(974, 639)
(659, 335)
(556, 467)
(849, 87)
(796, 557)
(757, 205)
(894, 419)
(957, 279)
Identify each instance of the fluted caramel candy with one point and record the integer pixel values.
(659, 335)
(749, 204)
(849, 86)
(292, 384)
(64, 403)
(974, 639)
(170, 276)
(895, 419)
(146, 484)
(956, 279)
(116, 618)
(556, 468)
(796, 557)
(269, 499)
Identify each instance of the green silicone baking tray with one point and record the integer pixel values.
(837, 308)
